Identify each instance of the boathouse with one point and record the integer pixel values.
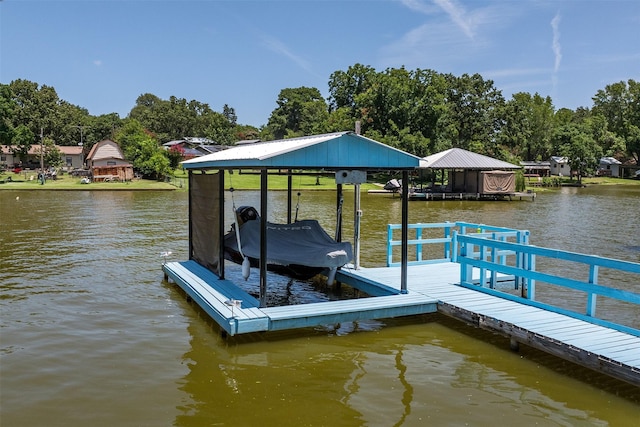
(349, 155)
(469, 174)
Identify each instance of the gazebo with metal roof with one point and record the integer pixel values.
(469, 172)
(347, 154)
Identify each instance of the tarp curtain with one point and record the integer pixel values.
(495, 182)
(204, 217)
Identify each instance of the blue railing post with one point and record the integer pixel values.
(419, 245)
(531, 283)
(482, 256)
(447, 246)
(454, 245)
(389, 245)
(591, 297)
(520, 262)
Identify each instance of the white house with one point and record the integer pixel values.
(71, 156)
(609, 166)
(559, 166)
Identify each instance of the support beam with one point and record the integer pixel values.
(221, 229)
(289, 203)
(263, 237)
(405, 232)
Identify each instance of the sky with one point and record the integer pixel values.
(102, 54)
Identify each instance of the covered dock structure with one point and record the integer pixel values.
(466, 175)
(349, 155)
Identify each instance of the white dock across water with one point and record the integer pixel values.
(431, 287)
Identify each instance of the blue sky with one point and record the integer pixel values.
(101, 55)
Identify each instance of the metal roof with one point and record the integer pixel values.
(334, 151)
(457, 158)
(610, 161)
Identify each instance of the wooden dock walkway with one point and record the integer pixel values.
(597, 347)
(431, 287)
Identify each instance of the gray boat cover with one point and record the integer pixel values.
(301, 243)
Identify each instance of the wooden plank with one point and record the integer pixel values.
(596, 338)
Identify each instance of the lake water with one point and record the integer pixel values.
(90, 334)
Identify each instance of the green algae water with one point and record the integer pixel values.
(91, 335)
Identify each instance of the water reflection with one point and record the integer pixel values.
(86, 321)
(406, 374)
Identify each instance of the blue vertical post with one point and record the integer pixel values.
(520, 261)
(454, 244)
(389, 245)
(419, 245)
(447, 245)
(591, 297)
(482, 255)
(531, 283)
(263, 237)
(405, 232)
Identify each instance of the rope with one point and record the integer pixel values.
(297, 207)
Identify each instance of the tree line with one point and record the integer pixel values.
(418, 111)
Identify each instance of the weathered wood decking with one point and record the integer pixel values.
(431, 287)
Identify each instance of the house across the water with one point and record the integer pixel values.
(106, 162)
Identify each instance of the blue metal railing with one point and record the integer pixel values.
(476, 252)
(420, 239)
(490, 255)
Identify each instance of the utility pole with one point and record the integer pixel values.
(82, 142)
(41, 156)
(81, 133)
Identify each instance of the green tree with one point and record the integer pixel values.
(619, 103)
(175, 154)
(528, 126)
(23, 139)
(7, 108)
(36, 107)
(474, 105)
(345, 86)
(142, 149)
(176, 118)
(229, 113)
(51, 156)
(98, 129)
(576, 142)
(242, 132)
(301, 111)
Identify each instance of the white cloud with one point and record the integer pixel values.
(281, 49)
(97, 62)
(420, 6)
(459, 16)
(557, 50)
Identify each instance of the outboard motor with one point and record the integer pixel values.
(246, 213)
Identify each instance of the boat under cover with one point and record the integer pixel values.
(301, 249)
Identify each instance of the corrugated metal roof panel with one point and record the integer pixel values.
(457, 158)
(610, 161)
(342, 150)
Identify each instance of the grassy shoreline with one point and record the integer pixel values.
(244, 181)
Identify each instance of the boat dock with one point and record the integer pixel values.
(451, 285)
(520, 195)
